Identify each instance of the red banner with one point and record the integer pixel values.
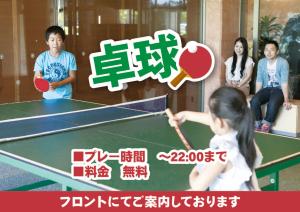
(154, 201)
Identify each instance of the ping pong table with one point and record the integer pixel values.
(49, 154)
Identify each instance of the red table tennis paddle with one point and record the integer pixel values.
(195, 64)
(41, 84)
(180, 134)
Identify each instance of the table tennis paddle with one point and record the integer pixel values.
(180, 134)
(195, 64)
(41, 84)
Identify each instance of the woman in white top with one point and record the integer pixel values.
(239, 67)
(233, 124)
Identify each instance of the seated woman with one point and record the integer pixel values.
(239, 67)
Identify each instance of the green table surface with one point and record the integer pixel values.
(152, 133)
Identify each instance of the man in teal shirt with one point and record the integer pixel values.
(271, 87)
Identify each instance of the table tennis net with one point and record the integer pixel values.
(54, 123)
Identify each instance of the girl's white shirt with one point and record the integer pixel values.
(236, 177)
(237, 74)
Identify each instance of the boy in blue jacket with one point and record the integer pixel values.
(56, 65)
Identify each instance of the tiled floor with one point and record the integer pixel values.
(290, 179)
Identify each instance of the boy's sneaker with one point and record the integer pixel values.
(266, 128)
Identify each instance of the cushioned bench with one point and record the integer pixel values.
(288, 121)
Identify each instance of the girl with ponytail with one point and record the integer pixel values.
(233, 124)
